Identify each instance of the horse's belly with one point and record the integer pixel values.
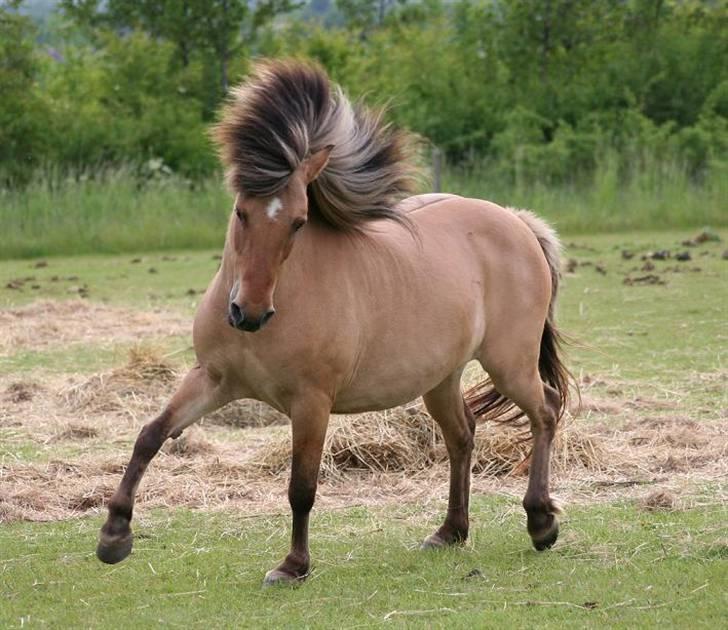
(395, 371)
(375, 398)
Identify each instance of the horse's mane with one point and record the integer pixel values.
(285, 111)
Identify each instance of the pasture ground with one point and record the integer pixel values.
(642, 469)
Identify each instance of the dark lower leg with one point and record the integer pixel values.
(301, 496)
(116, 540)
(540, 510)
(458, 430)
(456, 525)
(195, 397)
(309, 430)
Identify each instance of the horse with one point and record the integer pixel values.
(337, 294)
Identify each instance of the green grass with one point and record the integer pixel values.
(616, 566)
(663, 331)
(115, 213)
(656, 195)
(112, 215)
(177, 282)
(146, 280)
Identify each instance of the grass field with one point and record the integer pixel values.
(652, 362)
(616, 565)
(116, 213)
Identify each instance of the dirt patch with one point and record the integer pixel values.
(657, 501)
(21, 392)
(76, 432)
(650, 278)
(47, 324)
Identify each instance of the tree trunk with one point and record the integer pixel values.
(546, 43)
(224, 72)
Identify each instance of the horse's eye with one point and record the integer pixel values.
(298, 224)
(242, 216)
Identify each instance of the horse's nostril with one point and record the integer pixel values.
(236, 315)
(267, 316)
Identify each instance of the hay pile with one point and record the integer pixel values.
(140, 385)
(398, 440)
(144, 385)
(406, 439)
(246, 413)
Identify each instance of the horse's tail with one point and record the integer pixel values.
(484, 400)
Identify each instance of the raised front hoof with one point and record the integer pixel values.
(114, 549)
(546, 538)
(283, 577)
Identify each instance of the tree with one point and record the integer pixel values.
(217, 29)
(367, 14)
(23, 117)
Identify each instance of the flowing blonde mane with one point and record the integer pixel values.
(285, 111)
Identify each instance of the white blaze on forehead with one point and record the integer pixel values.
(273, 208)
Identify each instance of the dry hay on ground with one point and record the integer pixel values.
(84, 434)
(398, 440)
(406, 439)
(144, 385)
(246, 413)
(143, 380)
(46, 324)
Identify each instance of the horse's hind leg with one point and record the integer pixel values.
(196, 396)
(541, 511)
(541, 404)
(446, 405)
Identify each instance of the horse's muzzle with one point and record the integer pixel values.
(237, 318)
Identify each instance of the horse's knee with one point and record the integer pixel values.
(151, 438)
(301, 496)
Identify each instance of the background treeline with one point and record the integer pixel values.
(521, 96)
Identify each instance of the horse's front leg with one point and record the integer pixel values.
(309, 420)
(196, 396)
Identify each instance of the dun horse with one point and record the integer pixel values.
(334, 295)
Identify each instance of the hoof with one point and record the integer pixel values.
(433, 542)
(447, 538)
(545, 540)
(280, 577)
(113, 550)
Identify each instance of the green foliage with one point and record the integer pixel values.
(23, 112)
(541, 93)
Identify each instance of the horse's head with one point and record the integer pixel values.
(261, 237)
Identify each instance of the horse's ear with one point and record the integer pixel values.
(316, 162)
